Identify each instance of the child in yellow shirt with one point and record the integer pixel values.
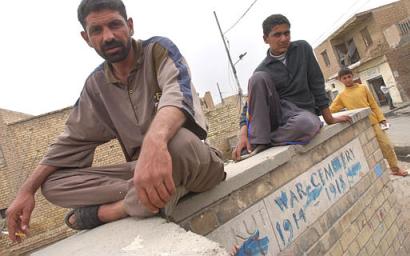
(358, 96)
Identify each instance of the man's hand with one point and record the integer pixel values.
(243, 143)
(342, 119)
(330, 119)
(18, 215)
(153, 179)
(153, 176)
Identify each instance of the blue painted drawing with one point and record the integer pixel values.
(354, 171)
(378, 170)
(313, 194)
(253, 246)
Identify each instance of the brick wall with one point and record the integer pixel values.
(12, 116)
(223, 123)
(364, 221)
(398, 60)
(27, 142)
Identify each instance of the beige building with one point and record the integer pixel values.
(375, 44)
(24, 140)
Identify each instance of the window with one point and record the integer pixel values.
(341, 51)
(353, 53)
(3, 213)
(366, 37)
(325, 58)
(2, 160)
(404, 27)
(347, 53)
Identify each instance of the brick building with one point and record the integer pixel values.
(375, 44)
(23, 141)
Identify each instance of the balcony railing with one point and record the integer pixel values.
(404, 27)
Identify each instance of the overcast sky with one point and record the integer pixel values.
(44, 60)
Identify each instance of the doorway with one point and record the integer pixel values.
(375, 84)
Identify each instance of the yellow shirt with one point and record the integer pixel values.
(358, 96)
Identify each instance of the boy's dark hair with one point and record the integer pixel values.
(273, 20)
(88, 6)
(344, 71)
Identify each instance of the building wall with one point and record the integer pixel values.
(27, 142)
(12, 116)
(333, 68)
(223, 124)
(390, 14)
(399, 61)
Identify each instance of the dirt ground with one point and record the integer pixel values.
(402, 188)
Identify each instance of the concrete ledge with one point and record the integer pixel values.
(154, 236)
(147, 237)
(246, 171)
(328, 131)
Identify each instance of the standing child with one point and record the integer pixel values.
(356, 96)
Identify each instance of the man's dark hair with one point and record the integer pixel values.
(273, 20)
(88, 6)
(344, 71)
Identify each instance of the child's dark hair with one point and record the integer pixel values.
(273, 20)
(344, 71)
(88, 6)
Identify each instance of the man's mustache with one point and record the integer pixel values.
(112, 44)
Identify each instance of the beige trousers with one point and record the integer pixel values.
(385, 146)
(196, 167)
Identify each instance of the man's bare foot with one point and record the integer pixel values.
(108, 212)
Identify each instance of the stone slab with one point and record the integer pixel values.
(129, 237)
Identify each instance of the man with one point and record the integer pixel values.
(386, 93)
(285, 94)
(120, 100)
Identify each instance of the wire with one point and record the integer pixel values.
(243, 15)
(339, 19)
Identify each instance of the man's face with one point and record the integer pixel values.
(347, 80)
(109, 34)
(278, 39)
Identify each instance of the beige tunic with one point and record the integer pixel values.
(108, 109)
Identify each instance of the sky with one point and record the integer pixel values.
(44, 60)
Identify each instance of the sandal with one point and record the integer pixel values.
(85, 218)
(400, 172)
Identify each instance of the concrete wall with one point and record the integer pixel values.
(331, 197)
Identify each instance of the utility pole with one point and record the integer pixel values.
(220, 93)
(230, 61)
